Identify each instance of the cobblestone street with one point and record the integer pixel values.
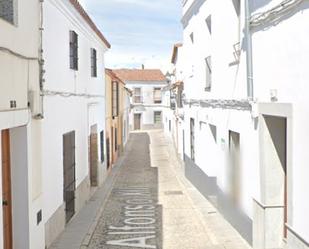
(151, 206)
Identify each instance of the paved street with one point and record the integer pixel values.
(151, 205)
(148, 206)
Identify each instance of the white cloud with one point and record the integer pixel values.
(140, 31)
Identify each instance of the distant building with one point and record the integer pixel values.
(117, 116)
(174, 117)
(146, 86)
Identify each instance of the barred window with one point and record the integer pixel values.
(137, 97)
(93, 62)
(73, 50)
(157, 95)
(7, 10)
(208, 73)
(102, 145)
(115, 99)
(157, 117)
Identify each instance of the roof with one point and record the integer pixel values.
(175, 51)
(87, 18)
(140, 74)
(113, 75)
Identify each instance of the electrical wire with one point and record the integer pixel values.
(275, 13)
(220, 103)
(69, 94)
(9, 51)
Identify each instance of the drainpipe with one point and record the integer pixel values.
(249, 52)
(40, 115)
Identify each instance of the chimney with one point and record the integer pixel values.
(143, 66)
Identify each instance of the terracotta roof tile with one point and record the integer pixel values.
(140, 74)
(87, 18)
(113, 75)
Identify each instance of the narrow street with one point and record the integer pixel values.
(151, 205)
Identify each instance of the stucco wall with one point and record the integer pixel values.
(63, 114)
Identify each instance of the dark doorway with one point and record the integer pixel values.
(108, 157)
(93, 156)
(69, 174)
(234, 169)
(137, 121)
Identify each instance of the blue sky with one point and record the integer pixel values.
(140, 31)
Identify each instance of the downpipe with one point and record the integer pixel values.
(249, 64)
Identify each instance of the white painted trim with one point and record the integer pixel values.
(76, 20)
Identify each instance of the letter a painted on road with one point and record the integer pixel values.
(133, 242)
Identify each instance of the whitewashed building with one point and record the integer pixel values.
(73, 117)
(245, 114)
(52, 117)
(174, 116)
(20, 220)
(146, 86)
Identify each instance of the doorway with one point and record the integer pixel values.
(234, 167)
(69, 174)
(93, 156)
(137, 121)
(6, 190)
(275, 156)
(108, 153)
(271, 209)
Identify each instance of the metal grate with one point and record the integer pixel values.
(69, 174)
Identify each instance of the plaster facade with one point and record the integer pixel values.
(245, 154)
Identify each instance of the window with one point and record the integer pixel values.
(102, 145)
(192, 37)
(180, 97)
(7, 10)
(208, 23)
(73, 50)
(137, 95)
(93, 62)
(157, 117)
(115, 99)
(157, 95)
(172, 100)
(116, 141)
(208, 73)
(192, 139)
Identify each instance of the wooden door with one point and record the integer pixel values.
(69, 174)
(6, 190)
(94, 156)
(137, 121)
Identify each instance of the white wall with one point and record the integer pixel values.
(280, 55)
(147, 92)
(19, 73)
(65, 114)
(16, 72)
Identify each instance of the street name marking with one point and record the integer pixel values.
(139, 219)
